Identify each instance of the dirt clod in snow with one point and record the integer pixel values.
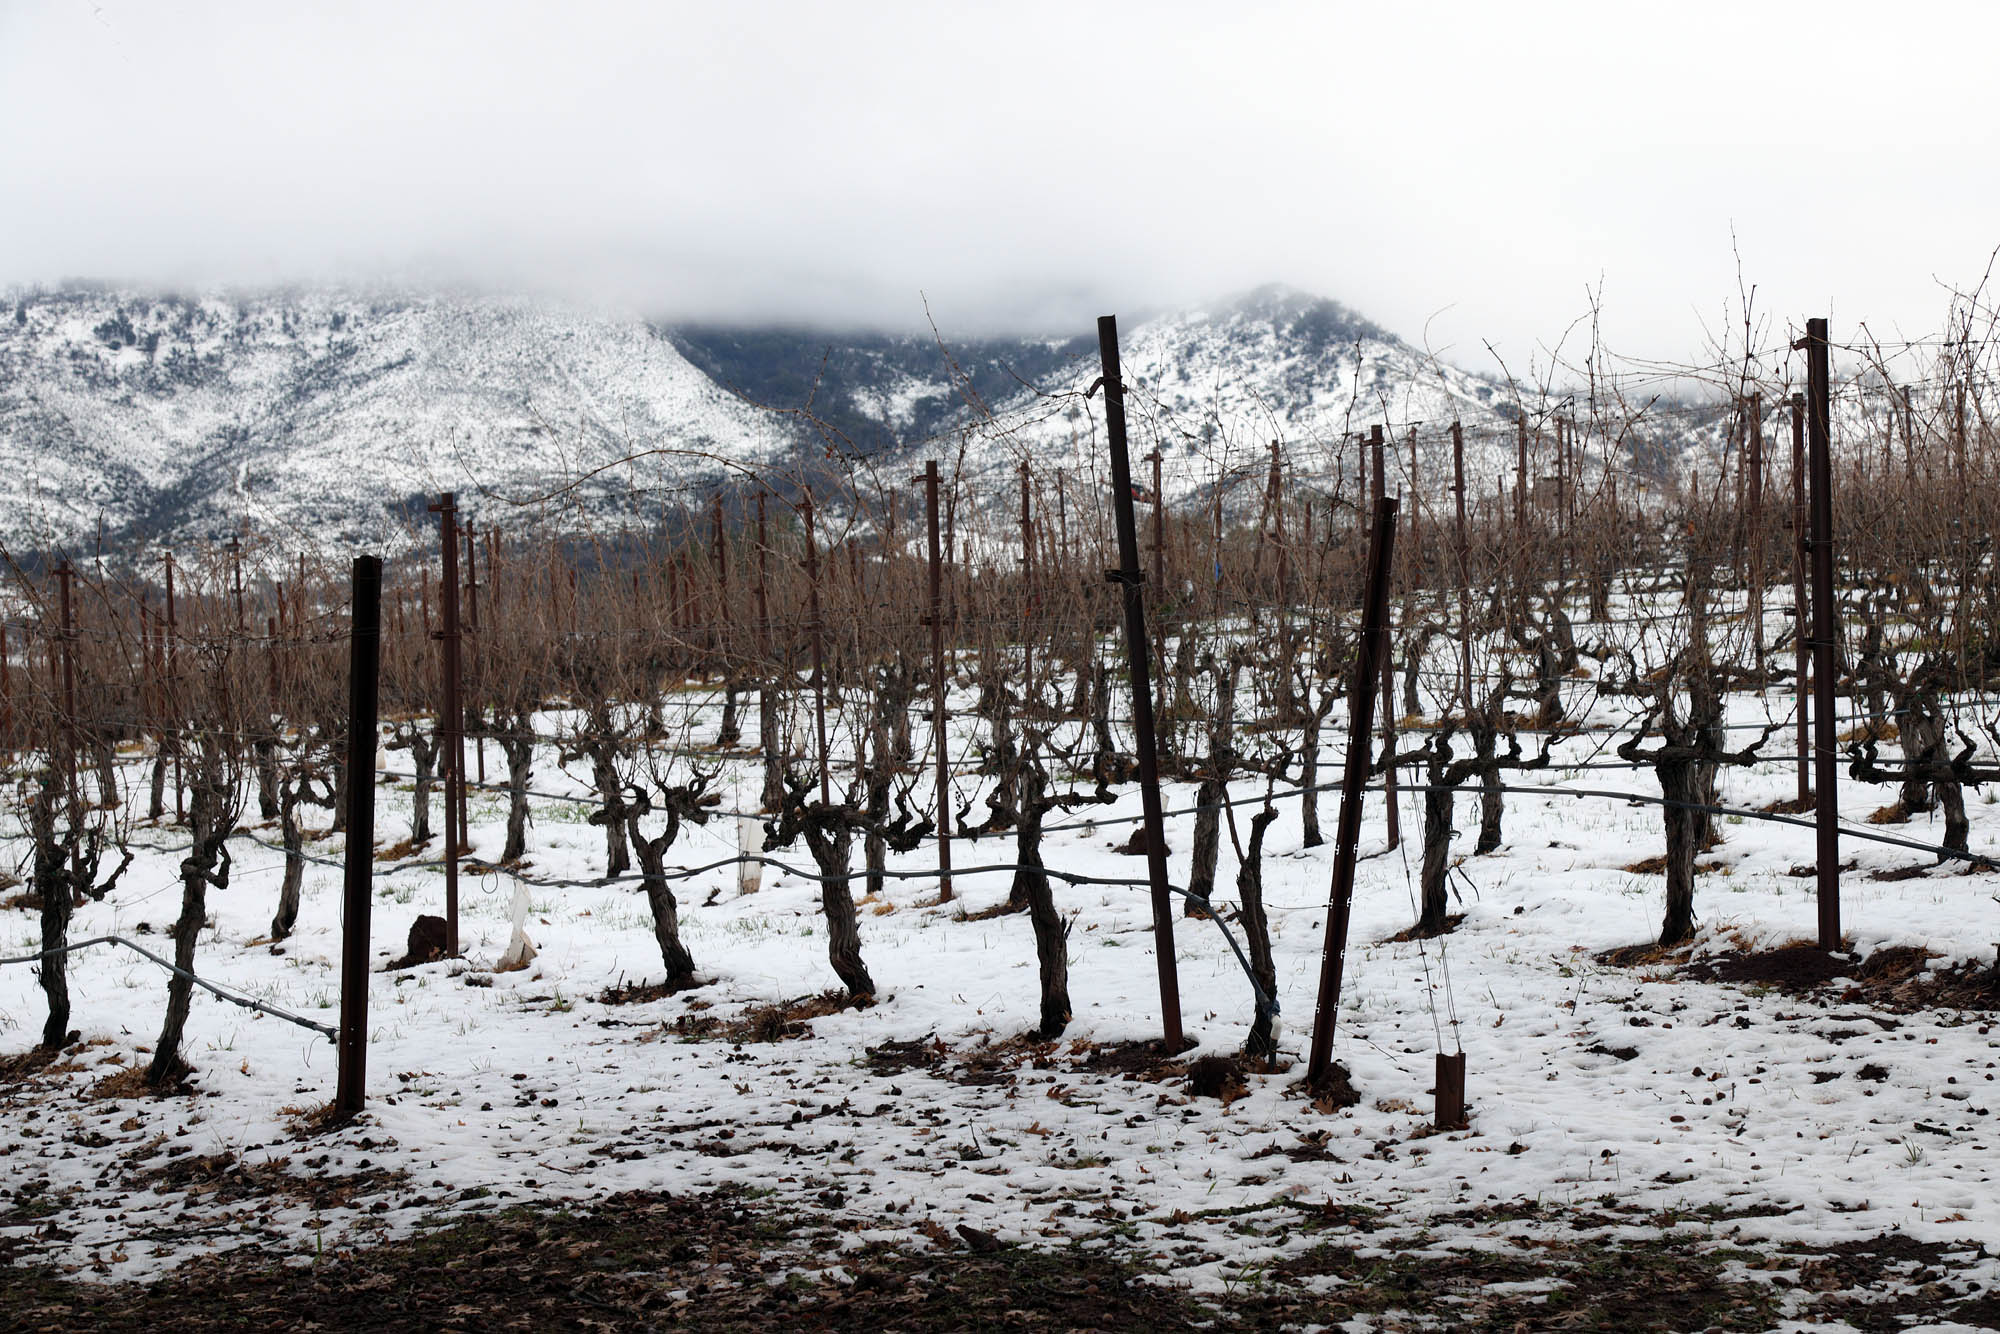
(426, 942)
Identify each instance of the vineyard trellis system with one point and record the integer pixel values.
(918, 687)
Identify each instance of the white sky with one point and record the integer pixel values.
(1470, 170)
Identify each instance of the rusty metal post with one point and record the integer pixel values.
(1353, 780)
(1449, 1108)
(364, 674)
(1826, 630)
(1132, 585)
(939, 675)
(452, 716)
(1801, 635)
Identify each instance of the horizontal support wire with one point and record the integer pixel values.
(234, 998)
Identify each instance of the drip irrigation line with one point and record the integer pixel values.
(688, 873)
(1471, 787)
(234, 998)
(1846, 830)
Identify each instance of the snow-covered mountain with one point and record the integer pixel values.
(1208, 387)
(327, 418)
(1211, 388)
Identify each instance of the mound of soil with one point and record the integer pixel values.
(1898, 979)
(1333, 1092)
(1410, 933)
(784, 1021)
(1793, 968)
(1148, 1060)
(1216, 1077)
(640, 993)
(425, 943)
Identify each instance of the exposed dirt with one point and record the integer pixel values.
(225, 1178)
(1793, 968)
(426, 943)
(893, 1057)
(727, 1261)
(1216, 1077)
(1793, 806)
(1409, 933)
(1149, 1060)
(784, 1021)
(1902, 873)
(1897, 980)
(131, 1083)
(643, 993)
(1333, 1091)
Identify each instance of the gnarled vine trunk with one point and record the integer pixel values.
(830, 851)
(1031, 885)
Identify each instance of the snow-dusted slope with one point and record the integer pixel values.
(1212, 387)
(325, 417)
(328, 417)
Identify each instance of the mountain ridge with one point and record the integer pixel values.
(323, 415)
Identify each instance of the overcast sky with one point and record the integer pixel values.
(1458, 173)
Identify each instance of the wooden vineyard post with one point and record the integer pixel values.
(7, 685)
(1159, 598)
(1449, 1111)
(1132, 582)
(818, 650)
(173, 687)
(66, 769)
(1388, 667)
(767, 727)
(939, 675)
(1801, 636)
(1028, 579)
(1521, 478)
(471, 627)
(1413, 559)
(723, 620)
(364, 674)
(1826, 631)
(1464, 570)
(1374, 637)
(1754, 484)
(452, 719)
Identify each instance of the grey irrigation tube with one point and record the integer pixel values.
(246, 1002)
(1267, 1003)
(1612, 794)
(1846, 831)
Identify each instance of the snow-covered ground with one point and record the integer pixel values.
(1738, 1109)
